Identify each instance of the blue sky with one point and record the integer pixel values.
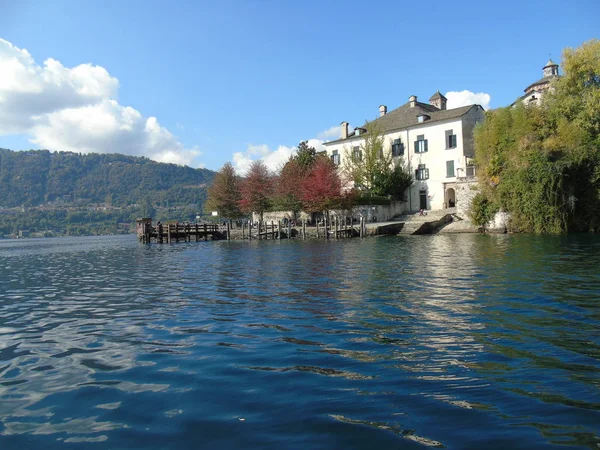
(242, 80)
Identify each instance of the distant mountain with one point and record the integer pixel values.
(39, 177)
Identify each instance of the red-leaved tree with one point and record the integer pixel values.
(257, 189)
(287, 191)
(321, 188)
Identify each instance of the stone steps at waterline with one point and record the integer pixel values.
(426, 224)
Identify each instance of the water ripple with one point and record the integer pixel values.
(438, 341)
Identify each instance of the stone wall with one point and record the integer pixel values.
(374, 213)
(500, 223)
(280, 215)
(378, 213)
(465, 191)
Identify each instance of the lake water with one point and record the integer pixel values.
(460, 342)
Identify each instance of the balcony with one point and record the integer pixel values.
(465, 173)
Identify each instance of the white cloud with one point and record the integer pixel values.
(464, 98)
(275, 159)
(332, 133)
(75, 109)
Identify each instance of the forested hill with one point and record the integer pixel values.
(36, 177)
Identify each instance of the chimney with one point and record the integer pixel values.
(413, 101)
(382, 110)
(344, 130)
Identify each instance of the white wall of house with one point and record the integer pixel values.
(435, 159)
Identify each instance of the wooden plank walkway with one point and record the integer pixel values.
(187, 232)
(179, 233)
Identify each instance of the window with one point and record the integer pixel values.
(421, 144)
(335, 157)
(450, 139)
(397, 148)
(449, 169)
(356, 154)
(422, 173)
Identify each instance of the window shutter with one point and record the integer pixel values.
(425, 145)
(427, 174)
(416, 146)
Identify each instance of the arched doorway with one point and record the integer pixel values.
(450, 197)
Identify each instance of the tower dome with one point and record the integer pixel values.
(550, 69)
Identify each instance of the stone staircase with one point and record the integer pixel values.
(414, 223)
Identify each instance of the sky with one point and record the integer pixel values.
(201, 83)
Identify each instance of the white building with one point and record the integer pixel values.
(436, 145)
(535, 91)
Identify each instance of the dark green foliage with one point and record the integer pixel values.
(367, 199)
(33, 178)
(305, 156)
(392, 181)
(376, 171)
(482, 210)
(542, 163)
(69, 193)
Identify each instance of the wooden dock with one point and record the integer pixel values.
(187, 232)
(176, 232)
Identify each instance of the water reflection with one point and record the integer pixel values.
(456, 341)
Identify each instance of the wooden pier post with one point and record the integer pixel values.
(272, 230)
(360, 230)
(317, 228)
(249, 230)
(228, 231)
(243, 230)
(289, 231)
(304, 229)
(326, 227)
(336, 224)
(279, 229)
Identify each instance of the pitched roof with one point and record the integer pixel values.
(437, 95)
(406, 116)
(550, 63)
(541, 81)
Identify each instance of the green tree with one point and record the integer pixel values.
(482, 210)
(305, 156)
(373, 169)
(542, 163)
(392, 180)
(146, 208)
(363, 164)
